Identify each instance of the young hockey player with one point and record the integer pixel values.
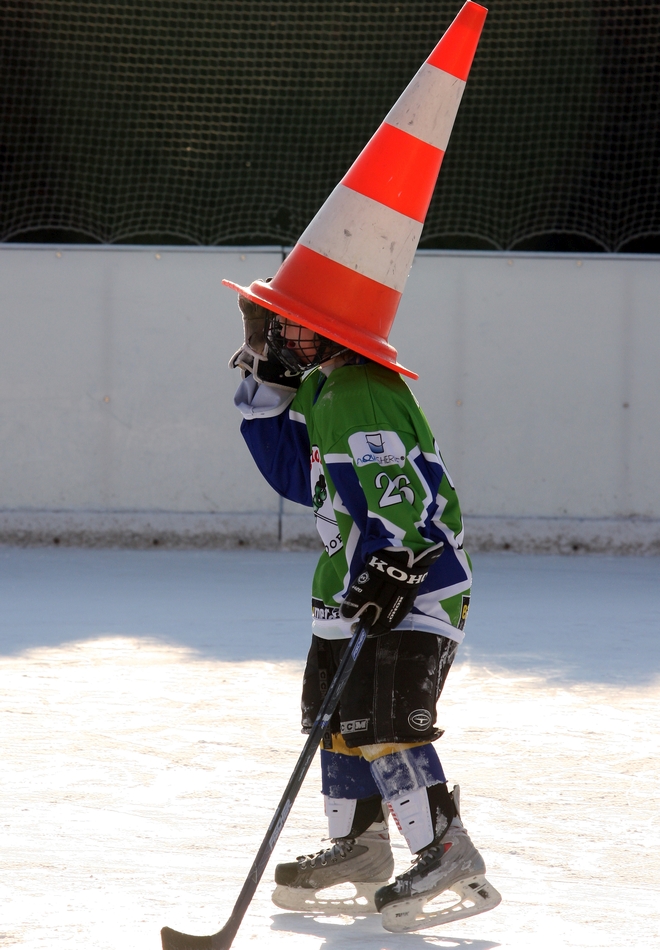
(349, 440)
(332, 425)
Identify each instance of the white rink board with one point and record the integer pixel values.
(150, 722)
(538, 373)
(114, 386)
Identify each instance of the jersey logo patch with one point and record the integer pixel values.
(321, 611)
(320, 492)
(326, 522)
(375, 442)
(377, 448)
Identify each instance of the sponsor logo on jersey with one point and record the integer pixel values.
(377, 448)
(465, 606)
(321, 611)
(333, 544)
(375, 442)
(320, 492)
(326, 522)
(420, 720)
(354, 725)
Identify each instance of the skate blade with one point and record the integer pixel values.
(466, 898)
(350, 899)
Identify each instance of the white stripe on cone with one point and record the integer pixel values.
(428, 105)
(364, 235)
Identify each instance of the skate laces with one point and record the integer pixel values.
(428, 856)
(340, 848)
(431, 853)
(435, 849)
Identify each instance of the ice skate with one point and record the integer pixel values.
(446, 882)
(341, 879)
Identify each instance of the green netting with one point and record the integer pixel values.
(229, 121)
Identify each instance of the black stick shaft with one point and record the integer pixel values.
(224, 938)
(290, 794)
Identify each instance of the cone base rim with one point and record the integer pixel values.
(313, 319)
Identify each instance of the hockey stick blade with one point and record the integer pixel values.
(173, 940)
(223, 939)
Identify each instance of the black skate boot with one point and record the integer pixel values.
(451, 864)
(363, 859)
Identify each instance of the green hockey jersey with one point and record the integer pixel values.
(356, 447)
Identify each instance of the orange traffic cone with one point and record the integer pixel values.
(345, 276)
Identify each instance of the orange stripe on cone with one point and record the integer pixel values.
(330, 288)
(455, 51)
(390, 187)
(398, 170)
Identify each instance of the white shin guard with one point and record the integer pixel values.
(340, 813)
(412, 815)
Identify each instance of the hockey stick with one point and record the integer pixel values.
(172, 939)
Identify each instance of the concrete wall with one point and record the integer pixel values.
(539, 375)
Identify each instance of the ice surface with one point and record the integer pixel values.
(149, 722)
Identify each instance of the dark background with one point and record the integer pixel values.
(225, 122)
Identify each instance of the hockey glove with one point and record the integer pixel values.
(254, 357)
(386, 587)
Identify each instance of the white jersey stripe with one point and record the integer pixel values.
(428, 105)
(365, 236)
(397, 534)
(342, 629)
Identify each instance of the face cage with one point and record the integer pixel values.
(316, 351)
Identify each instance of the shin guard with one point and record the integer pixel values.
(352, 800)
(409, 782)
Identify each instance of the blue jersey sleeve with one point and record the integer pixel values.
(280, 447)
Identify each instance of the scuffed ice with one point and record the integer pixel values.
(150, 720)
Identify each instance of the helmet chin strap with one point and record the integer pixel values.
(345, 358)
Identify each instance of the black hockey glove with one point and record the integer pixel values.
(254, 358)
(386, 587)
